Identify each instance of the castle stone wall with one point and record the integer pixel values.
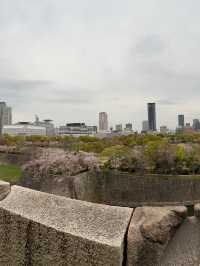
(121, 189)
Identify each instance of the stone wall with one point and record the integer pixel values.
(121, 189)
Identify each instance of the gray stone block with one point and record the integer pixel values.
(4, 189)
(150, 230)
(42, 229)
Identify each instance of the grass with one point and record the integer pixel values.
(10, 173)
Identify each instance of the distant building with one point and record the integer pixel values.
(119, 128)
(152, 116)
(5, 115)
(47, 124)
(77, 130)
(188, 128)
(196, 124)
(7, 120)
(181, 121)
(164, 130)
(24, 129)
(103, 121)
(145, 126)
(128, 127)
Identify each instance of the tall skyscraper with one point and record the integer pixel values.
(196, 124)
(103, 121)
(152, 116)
(7, 120)
(5, 115)
(181, 121)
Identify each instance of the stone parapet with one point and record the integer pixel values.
(42, 229)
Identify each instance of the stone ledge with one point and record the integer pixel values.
(54, 230)
(4, 189)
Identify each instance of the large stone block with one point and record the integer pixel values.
(40, 229)
(4, 189)
(150, 231)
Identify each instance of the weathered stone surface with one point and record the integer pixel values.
(150, 230)
(42, 229)
(4, 189)
(183, 249)
(197, 210)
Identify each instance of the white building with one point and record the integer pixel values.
(47, 123)
(103, 122)
(77, 130)
(24, 129)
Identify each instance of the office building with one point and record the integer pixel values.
(152, 116)
(145, 126)
(181, 121)
(128, 127)
(7, 120)
(196, 124)
(5, 115)
(119, 128)
(24, 129)
(103, 121)
(77, 130)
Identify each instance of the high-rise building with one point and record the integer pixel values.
(103, 121)
(196, 124)
(152, 116)
(7, 120)
(5, 115)
(181, 121)
(145, 126)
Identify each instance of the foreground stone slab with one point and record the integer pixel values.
(43, 229)
(150, 230)
(4, 189)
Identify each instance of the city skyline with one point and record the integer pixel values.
(72, 60)
(104, 124)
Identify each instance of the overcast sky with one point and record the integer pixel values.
(68, 60)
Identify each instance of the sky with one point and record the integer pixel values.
(69, 60)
